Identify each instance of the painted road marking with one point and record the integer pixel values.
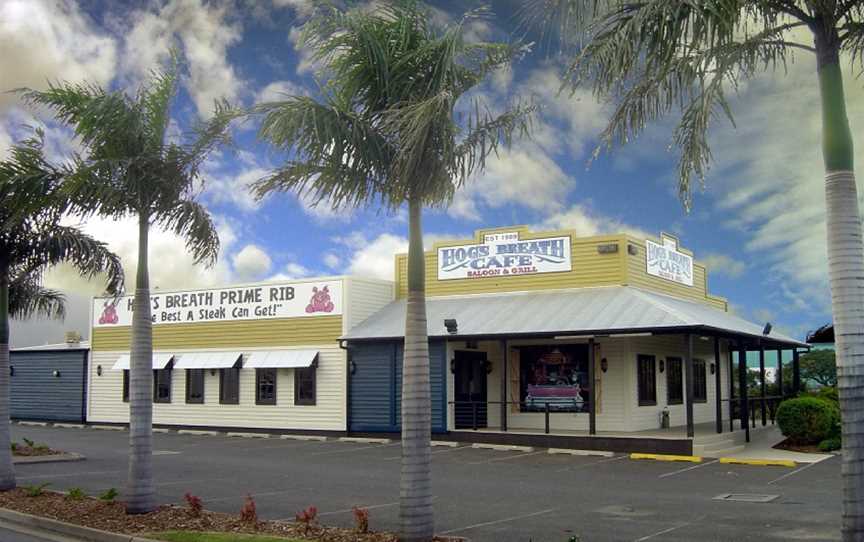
(664, 531)
(353, 449)
(165, 452)
(509, 457)
(667, 457)
(496, 522)
(679, 471)
(592, 463)
(788, 474)
(758, 462)
(67, 475)
(346, 510)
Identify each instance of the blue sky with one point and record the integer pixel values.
(758, 224)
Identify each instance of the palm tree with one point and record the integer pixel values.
(132, 167)
(656, 56)
(32, 240)
(386, 130)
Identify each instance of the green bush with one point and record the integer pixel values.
(829, 444)
(109, 495)
(807, 420)
(829, 393)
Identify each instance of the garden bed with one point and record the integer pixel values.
(31, 449)
(803, 448)
(111, 516)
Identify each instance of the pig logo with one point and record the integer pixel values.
(320, 301)
(109, 314)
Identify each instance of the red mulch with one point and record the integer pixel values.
(803, 448)
(22, 450)
(111, 516)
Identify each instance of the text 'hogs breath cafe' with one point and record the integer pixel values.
(260, 357)
(547, 339)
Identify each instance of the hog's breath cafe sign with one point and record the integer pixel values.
(665, 261)
(504, 254)
(257, 302)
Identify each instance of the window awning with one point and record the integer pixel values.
(160, 361)
(208, 360)
(282, 359)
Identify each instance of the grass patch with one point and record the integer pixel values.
(188, 536)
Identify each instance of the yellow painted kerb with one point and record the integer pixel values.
(759, 462)
(668, 457)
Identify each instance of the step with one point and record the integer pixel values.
(726, 452)
(719, 437)
(709, 449)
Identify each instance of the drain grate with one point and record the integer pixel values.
(746, 497)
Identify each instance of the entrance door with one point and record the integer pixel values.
(470, 389)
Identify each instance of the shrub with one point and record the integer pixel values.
(29, 443)
(194, 503)
(308, 518)
(76, 494)
(807, 420)
(109, 495)
(36, 491)
(829, 444)
(248, 513)
(361, 520)
(829, 393)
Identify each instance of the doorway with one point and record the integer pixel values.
(470, 389)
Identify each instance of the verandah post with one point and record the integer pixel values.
(731, 385)
(505, 365)
(796, 372)
(688, 378)
(742, 390)
(592, 384)
(718, 386)
(780, 372)
(762, 386)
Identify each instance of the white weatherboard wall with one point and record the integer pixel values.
(618, 408)
(361, 297)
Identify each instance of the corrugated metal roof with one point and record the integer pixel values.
(581, 310)
(83, 345)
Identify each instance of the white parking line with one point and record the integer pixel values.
(436, 452)
(67, 475)
(353, 449)
(496, 522)
(372, 507)
(507, 458)
(592, 463)
(685, 469)
(664, 531)
(788, 474)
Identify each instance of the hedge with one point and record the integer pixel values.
(808, 420)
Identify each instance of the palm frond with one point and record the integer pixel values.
(191, 221)
(28, 299)
(29, 183)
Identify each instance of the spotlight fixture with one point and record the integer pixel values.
(767, 329)
(451, 325)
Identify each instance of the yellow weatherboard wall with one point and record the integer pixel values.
(589, 268)
(249, 333)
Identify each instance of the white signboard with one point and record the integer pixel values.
(504, 254)
(259, 302)
(665, 261)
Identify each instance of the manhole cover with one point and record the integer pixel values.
(746, 497)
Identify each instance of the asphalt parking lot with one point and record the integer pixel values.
(483, 495)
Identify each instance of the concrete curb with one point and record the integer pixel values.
(247, 435)
(503, 447)
(759, 462)
(447, 443)
(109, 427)
(54, 458)
(70, 425)
(364, 440)
(568, 451)
(197, 432)
(313, 438)
(665, 457)
(34, 424)
(66, 529)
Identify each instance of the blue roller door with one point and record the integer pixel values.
(376, 386)
(48, 385)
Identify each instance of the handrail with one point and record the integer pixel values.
(547, 411)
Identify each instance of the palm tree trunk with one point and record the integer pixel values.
(846, 276)
(415, 498)
(7, 471)
(140, 496)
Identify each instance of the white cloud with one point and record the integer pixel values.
(171, 265)
(721, 264)
(291, 271)
(586, 222)
(302, 7)
(332, 260)
(376, 258)
(323, 210)
(251, 262)
(56, 40)
(233, 188)
(278, 90)
(205, 35)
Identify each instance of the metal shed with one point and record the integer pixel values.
(49, 383)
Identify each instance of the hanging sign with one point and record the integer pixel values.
(666, 262)
(259, 302)
(504, 254)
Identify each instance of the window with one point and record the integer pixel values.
(674, 381)
(646, 381)
(195, 386)
(162, 385)
(125, 385)
(304, 386)
(229, 386)
(700, 381)
(554, 375)
(265, 387)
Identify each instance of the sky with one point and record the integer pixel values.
(758, 222)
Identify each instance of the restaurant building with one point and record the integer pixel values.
(261, 356)
(606, 342)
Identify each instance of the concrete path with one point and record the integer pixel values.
(761, 446)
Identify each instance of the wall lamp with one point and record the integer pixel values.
(662, 365)
(451, 325)
(713, 368)
(98, 370)
(11, 370)
(767, 329)
(352, 367)
(56, 373)
(604, 365)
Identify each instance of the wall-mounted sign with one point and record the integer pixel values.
(665, 261)
(504, 254)
(266, 301)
